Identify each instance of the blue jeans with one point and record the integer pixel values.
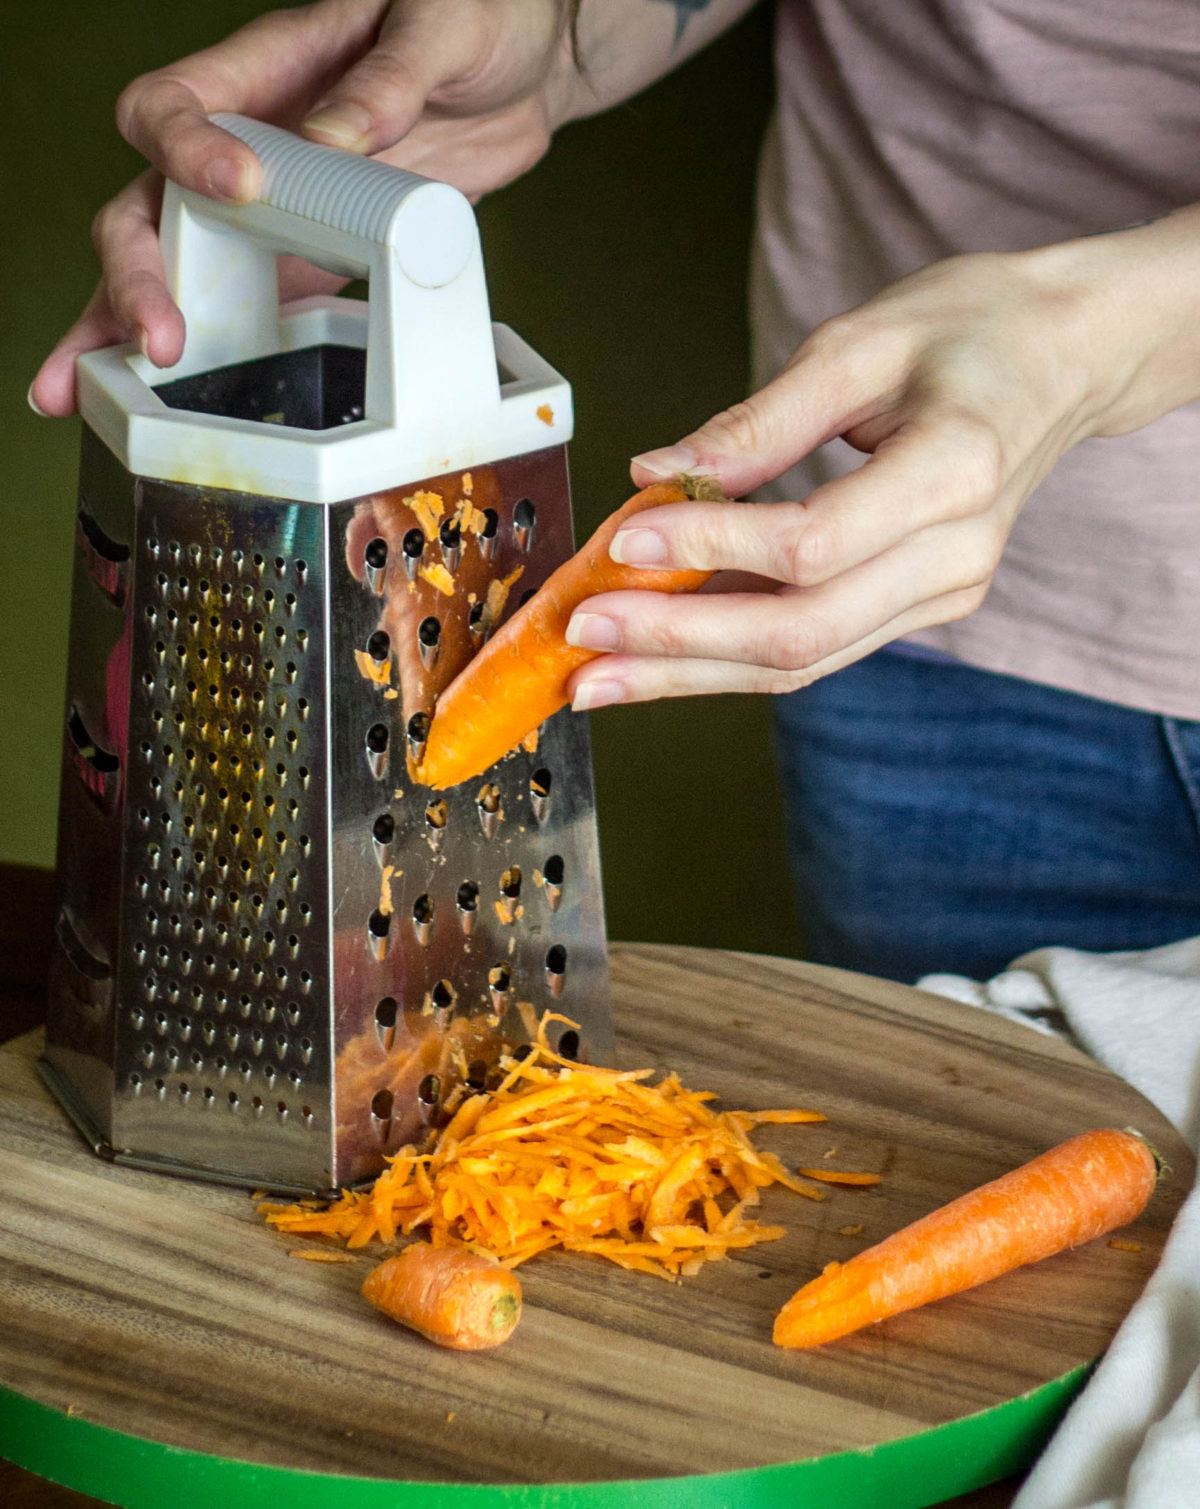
(946, 818)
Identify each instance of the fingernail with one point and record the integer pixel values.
(668, 462)
(34, 405)
(347, 124)
(229, 179)
(592, 631)
(638, 547)
(593, 694)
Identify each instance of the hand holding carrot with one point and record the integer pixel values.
(963, 384)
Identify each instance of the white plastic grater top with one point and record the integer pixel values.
(445, 388)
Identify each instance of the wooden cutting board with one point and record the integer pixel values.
(159, 1346)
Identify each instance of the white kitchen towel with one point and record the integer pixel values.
(1132, 1438)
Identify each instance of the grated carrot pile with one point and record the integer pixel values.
(587, 1159)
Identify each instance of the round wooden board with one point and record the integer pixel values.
(158, 1344)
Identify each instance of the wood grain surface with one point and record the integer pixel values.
(166, 1309)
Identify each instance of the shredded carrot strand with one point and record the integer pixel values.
(838, 1176)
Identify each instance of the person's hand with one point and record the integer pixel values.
(965, 383)
(467, 93)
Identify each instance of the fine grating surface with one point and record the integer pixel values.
(222, 1032)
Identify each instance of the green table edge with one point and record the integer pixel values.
(910, 1473)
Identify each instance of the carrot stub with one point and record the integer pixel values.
(1077, 1191)
(520, 676)
(452, 1296)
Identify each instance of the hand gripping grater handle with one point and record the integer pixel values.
(430, 354)
(444, 388)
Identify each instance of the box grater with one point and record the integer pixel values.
(277, 957)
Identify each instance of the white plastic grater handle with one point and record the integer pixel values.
(430, 352)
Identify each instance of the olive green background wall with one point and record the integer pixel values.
(621, 257)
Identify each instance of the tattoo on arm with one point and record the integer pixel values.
(684, 10)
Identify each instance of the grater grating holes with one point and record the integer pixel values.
(556, 969)
(442, 999)
(210, 654)
(499, 986)
(553, 875)
(467, 903)
(383, 832)
(524, 523)
(417, 732)
(491, 812)
(429, 641)
(423, 914)
(489, 536)
(412, 548)
(386, 1013)
(436, 816)
(429, 1095)
(450, 540)
(379, 926)
(377, 742)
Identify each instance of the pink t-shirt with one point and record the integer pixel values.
(909, 130)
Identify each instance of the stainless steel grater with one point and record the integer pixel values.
(278, 957)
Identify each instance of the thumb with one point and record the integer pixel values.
(379, 100)
(833, 382)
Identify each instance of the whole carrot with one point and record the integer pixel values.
(451, 1296)
(1081, 1189)
(520, 676)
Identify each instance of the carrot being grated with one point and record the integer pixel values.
(587, 1159)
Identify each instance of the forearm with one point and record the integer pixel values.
(1134, 301)
(625, 45)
